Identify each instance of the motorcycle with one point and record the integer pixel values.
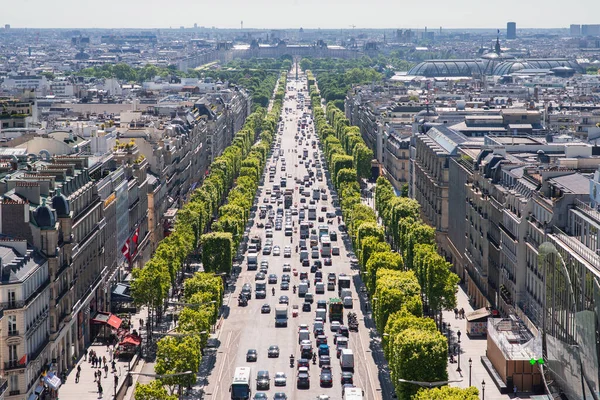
(314, 359)
(291, 361)
(294, 289)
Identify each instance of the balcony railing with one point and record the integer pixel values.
(9, 365)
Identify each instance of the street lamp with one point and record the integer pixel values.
(470, 367)
(459, 370)
(429, 385)
(483, 389)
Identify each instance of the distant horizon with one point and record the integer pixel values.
(293, 14)
(186, 28)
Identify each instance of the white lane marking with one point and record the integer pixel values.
(216, 391)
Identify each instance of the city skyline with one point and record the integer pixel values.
(331, 14)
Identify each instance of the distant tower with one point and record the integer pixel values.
(195, 25)
(7, 26)
(497, 48)
(242, 25)
(511, 30)
(575, 30)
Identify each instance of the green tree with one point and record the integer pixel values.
(346, 175)
(447, 393)
(217, 255)
(417, 355)
(152, 391)
(379, 260)
(395, 290)
(362, 160)
(175, 355)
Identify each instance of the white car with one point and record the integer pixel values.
(287, 267)
(280, 379)
(276, 251)
(269, 233)
(335, 325)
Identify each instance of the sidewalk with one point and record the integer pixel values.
(87, 388)
(469, 348)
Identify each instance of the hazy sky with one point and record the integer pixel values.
(298, 13)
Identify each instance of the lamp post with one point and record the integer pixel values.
(459, 370)
(470, 367)
(483, 389)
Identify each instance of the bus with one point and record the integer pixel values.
(312, 213)
(353, 393)
(325, 246)
(241, 387)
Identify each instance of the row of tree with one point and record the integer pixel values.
(399, 280)
(239, 167)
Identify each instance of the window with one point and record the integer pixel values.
(14, 382)
(12, 354)
(12, 324)
(12, 297)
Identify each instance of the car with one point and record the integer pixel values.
(260, 396)
(321, 340)
(259, 276)
(263, 382)
(278, 227)
(322, 397)
(313, 268)
(273, 351)
(324, 360)
(325, 378)
(335, 325)
(303, 379)
(287, 252)
(322, 304)
(266, 250)
(306, 307)
(251, 355)
(269, 232)
(327, 261)
(286, 278)
(343, 331)
(284, 300)
(272, 278)
(284, 286)
(265, 309)
(276, 251)
(303, 363)
(287, 267)
(280, 379)
(347, 378)
(280, 396)
(264, 263)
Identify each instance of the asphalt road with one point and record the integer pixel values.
(246, 328)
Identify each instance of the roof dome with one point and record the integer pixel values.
(509, 67)
(44, 216)
(60, 204)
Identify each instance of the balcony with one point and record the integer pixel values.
(14, 364)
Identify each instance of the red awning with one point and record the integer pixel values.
(130, 339)
(108, 319)
(114, 321)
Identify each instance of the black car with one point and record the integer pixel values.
(303, 381)
(324, 360)
(327, 261)
(251, 355)
(303, 362)
(326, 379)
(306, 307)
(305, 262)
(347, 378)
(313, 269)
(263, 382)
(265, 309)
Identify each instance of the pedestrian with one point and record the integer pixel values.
(110, 353)
(95, 375)
(116, 380)
(104, 360)
(79, 368)
(106, 370)
(515, 390)
(462, 313)
(77, 376)
(85, 355)
(141, 323)
(456, 313)
(100, 390)
(114, 365)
